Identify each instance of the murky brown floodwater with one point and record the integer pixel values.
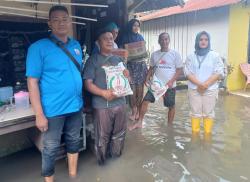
(161, 153)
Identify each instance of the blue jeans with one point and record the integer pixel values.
(69, 125)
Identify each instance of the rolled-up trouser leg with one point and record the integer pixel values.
(51, 142)
(119, 131)
(103, 129)
(72, 130)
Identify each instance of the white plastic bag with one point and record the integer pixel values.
(156, 87)
(117, 81)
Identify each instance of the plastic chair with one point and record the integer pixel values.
(245, 68)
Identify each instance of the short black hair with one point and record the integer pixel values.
(163, 33)
(57, 8)
(102, 31)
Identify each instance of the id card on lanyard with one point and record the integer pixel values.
(200, 61)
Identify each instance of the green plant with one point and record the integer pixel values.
(230, 69)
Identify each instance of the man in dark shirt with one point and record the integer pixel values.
(109, 110)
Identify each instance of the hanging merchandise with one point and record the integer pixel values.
(13, 56)
(6, 68)
(18, 47)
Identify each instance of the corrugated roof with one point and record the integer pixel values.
(149, 5)
(191, 5)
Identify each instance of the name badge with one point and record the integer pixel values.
(77, 51)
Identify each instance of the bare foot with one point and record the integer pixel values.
(72, 176)
(137, 116)
(135, 126)
(49, 179)
(132, 117)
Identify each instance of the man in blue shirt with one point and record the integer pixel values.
(55, 88)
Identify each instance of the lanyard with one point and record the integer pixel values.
(66, 51)
(202, 60)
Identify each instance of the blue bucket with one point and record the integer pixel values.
(6, 93)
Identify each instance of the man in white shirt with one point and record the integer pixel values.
(167, 65)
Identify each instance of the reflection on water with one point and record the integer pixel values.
(220, 157)
(161, 153)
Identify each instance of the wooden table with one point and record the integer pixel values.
(14, 120)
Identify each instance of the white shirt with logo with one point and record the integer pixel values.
(165, 64)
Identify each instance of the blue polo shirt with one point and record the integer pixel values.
(60, 82)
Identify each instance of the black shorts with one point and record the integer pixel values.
(168, 97)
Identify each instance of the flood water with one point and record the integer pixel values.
(161, 153)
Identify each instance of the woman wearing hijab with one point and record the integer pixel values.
(203, 68)
(137, 68)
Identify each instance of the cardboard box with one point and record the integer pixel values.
(136, 50)
(120, 52)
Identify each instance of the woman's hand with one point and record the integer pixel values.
(201, 88)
